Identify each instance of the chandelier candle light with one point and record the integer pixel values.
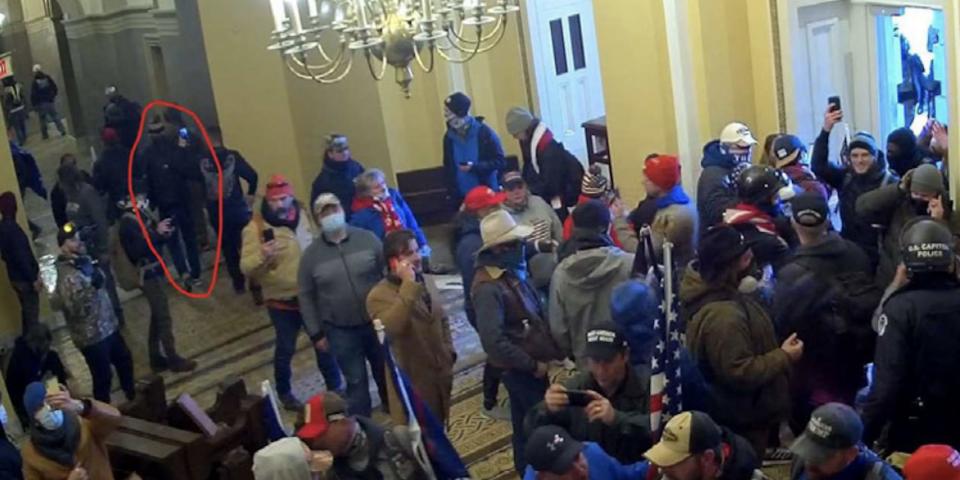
(388, 32)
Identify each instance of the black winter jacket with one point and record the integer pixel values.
(43, 89)
(918, 355)
(337, 178)
(714, 194)
(16, 252)
(850, 187)
(560, 173)
(834, 363)
(169, 170)
(110, 176)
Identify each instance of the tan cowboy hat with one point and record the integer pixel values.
(499, 227)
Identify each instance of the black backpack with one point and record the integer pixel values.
(844, 306)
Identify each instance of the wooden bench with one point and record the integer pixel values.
(184, 442)
(426, 193)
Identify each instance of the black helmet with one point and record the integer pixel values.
(926, 245)
(757, 184)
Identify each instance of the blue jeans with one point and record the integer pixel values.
(353, 347)
(100, 356)
(525, 391)
(46, 113)
(288, 324)
(18, 120)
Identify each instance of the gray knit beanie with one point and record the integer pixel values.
(926, 179)
(518, 120)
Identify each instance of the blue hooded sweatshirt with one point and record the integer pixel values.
(603, 466)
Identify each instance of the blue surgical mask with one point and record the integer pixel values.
(3, 416)
(333, 223)
(49, 418)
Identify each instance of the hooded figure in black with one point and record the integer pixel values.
(903, 153)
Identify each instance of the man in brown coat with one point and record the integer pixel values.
(731, 338)
(419, 332)
(68, 437)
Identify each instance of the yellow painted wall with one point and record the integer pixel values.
(728, 86)
(9, 305)
(631, 37)
(351, 107)
(250, 88)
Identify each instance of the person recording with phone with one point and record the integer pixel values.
(273, 242)
(89, 315)
(412, 312)
(864, 169)
(607, 403)
(161, 345)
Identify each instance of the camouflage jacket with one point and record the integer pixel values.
(86, 308)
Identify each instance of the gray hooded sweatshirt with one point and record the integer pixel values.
(580, 295)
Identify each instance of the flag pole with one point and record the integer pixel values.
(416, 434)
(667, 285)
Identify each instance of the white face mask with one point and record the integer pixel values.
(49, 418)
(333, 223)
(3, 416)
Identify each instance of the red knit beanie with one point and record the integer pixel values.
(278, 186)
(663, 171)
(8, 205)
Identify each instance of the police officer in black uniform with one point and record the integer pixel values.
(917, 378)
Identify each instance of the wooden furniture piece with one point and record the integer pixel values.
(598, 145)
(184, 442)
(426, 193)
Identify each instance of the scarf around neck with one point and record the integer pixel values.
(540, 140)
(388, 213)
(59, 445)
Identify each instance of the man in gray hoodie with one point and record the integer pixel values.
(590, 267)
(337, 272)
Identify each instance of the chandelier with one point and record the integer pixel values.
(397, 33)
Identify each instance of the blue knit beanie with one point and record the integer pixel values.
(34, 397)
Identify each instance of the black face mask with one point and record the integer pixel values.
(920, 207)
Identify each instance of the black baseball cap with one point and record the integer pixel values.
(604, 342)
(551, 449)
(810, 209)
(833, 427)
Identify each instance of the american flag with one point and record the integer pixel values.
(665, 383)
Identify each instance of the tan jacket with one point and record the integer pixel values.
(91, 454)
(420, 340)
(278, 280)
